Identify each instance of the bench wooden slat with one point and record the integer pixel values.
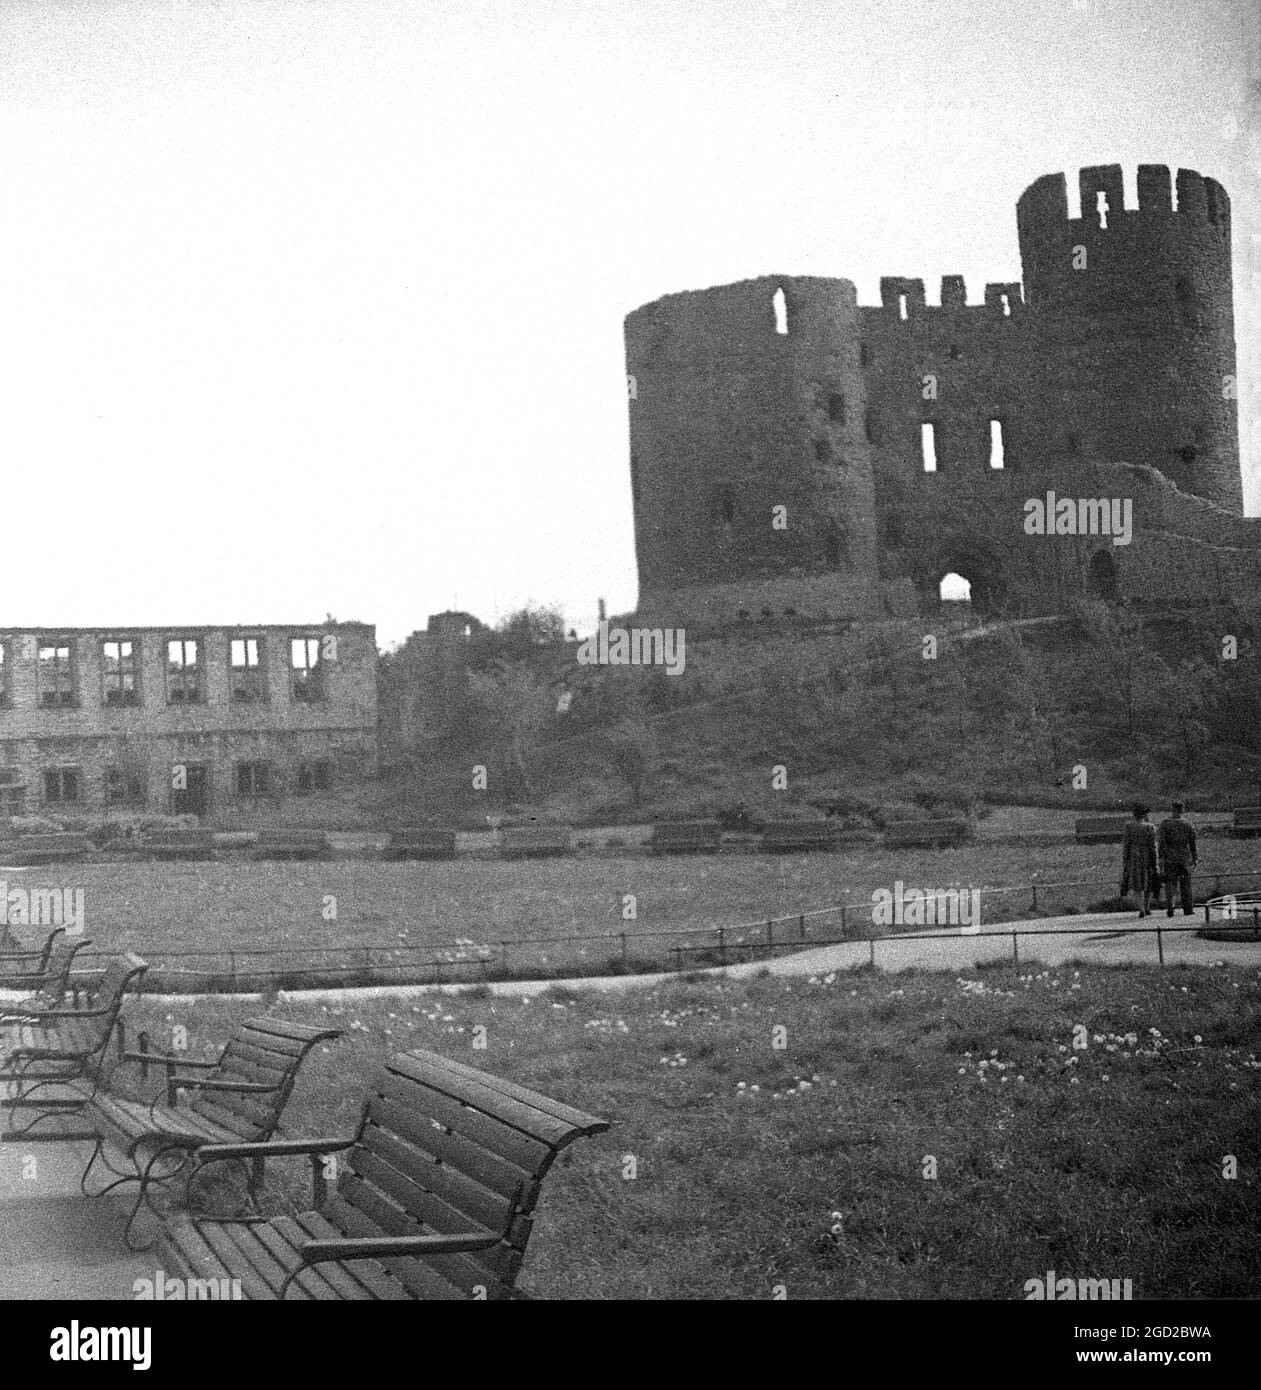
(369, 1215)
(502, 1098)
(371, 1279)
(908, 833)
(523, 1150)
(686, 837)
(420, 844)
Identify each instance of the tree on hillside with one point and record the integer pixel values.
(512, 705)
(632, 749)
(518, 636)
(1120, 656)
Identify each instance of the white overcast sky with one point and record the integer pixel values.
(310, 306)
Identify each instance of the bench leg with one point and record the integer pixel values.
(148, 1179)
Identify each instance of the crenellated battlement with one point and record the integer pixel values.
(1043, 207)
(904, 299)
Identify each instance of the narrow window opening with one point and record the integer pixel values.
(954, 588)
(1005, 301)
(1101, 207)
(780, 304)
(901, 306)
(997, 456)
(928, 447)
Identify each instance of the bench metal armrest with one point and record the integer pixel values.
(74, 1013)
(167, 1059)
(276, 1148)
(205, 1083)
(353, 1248)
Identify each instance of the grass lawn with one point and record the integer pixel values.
(466, 909)
(1099, 1162)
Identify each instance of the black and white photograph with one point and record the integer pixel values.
(630, 669)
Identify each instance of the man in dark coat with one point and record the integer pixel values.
(1176, 840)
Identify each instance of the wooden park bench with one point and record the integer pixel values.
(903, 834)
(49, 985)
(1246, 822)
(686, 837)
(435, 1196)
(533, 841)
(237, 1098)
(1099, 830)
(43, 849)
(420, 843)
(180, 844)
(48, 1050)
(791, 836)
(17, 968)
(292, 844)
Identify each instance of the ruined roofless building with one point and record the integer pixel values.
(903, 441)
(231, 724)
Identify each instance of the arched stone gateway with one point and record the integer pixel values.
(962, 576)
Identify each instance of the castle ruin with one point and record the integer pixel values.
(797, 454)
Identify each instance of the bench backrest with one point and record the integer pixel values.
(1248, 815)
(184, 838)
(687, 832)
(120, 974)
(443, 1148)
(798, 832)
(527, 839)
(54, 982)
(15, 965)
(53, 846)
(926, 830)
(429, 842)
(267, 1051)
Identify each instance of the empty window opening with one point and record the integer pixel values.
(780, 304)
(1101, 207)
(928, 447)
(902, 306)
(313, 777)
(997, 457)
(823, 451)
(183, 672)
(836, 407)
(253, 779)
(1103, 575)
(305, 668)
(56, 675)
(247, 679)
(119, 662)
(62, 784)
(1005, 301)
(123, 788)
(954, 588)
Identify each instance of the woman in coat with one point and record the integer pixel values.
(1138, 859)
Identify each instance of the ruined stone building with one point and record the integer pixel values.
(795, 453)
(220, 722)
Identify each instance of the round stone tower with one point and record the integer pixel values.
(751, 473)
(1134, 324)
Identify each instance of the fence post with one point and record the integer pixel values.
(1160, 944)
(722, 946)
(1015, 945)
(232, 971)
(801, 926)
(871, 946)
(1033, 903)
(623, 950)
(1256, 923)
(844, 927)
(142, 1045)
(770, 932)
